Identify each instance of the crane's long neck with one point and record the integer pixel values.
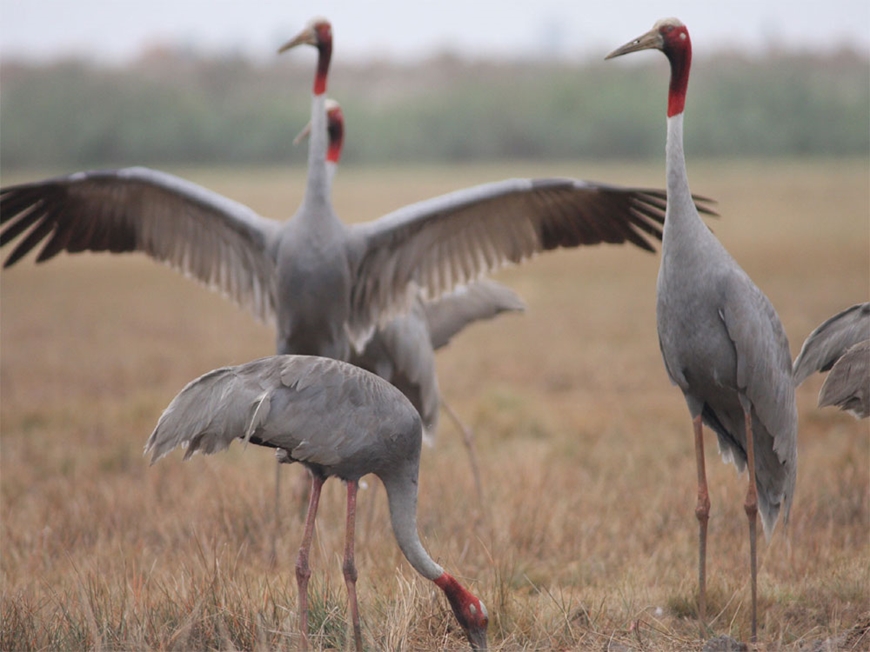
(681, 207)
(402, 496)
(318, 186)
(681, 212)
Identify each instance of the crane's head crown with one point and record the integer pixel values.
(671, 37)
(318, 32)
(666, 35)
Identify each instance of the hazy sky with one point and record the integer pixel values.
(119, 29)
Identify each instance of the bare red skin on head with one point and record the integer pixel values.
(335, 125)
(324, 48)
(461, 602)
(678, 49)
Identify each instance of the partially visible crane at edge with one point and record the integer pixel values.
(840, 346)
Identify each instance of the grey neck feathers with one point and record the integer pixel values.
(682, 216)
(403, 514)
(317, 190)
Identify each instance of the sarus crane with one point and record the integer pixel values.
(338, 421)
(841, 346)
(722, 342)
(402, 351)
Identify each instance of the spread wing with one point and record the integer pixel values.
(202, 234)
(435, 245)
(451, 313)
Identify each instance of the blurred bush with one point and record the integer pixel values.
(175, 107)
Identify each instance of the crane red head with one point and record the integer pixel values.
(671, 37)
(334, 128)
(468, 609)
(318, 33)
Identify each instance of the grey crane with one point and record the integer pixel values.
(403, 350)
(841, 346)
(337, 420)
(722, 342)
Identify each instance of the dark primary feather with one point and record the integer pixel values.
(202, 234)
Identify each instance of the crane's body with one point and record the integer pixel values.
(721, 339)
(338, 421)
(723, 344)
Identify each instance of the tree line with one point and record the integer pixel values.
(176, 108)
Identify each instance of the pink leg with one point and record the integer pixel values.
(751, 507)
(276, 520)
(303, 571)
(349, 567)
(702, 512)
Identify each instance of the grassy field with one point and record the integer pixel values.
(587, 537)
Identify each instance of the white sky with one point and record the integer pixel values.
(116, 30)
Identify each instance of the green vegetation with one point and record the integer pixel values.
(170, 108)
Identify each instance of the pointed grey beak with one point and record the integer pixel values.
(302, 135)
(306, 37)
(652, 40)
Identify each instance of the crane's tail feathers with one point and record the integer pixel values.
(205, 417)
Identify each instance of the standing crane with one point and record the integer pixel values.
(722, 342)
(403, 350)
(840, 345)
(337, 420)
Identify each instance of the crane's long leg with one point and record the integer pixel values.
(702, 512)
(276, 517)
(349, 568)
(751, 507)
(468, 440)
(303, 570)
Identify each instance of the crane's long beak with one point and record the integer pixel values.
(306, 37)
(652, 40)
(302, 135)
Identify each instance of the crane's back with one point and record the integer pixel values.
(329, 415)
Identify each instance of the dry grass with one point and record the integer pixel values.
(588, 537)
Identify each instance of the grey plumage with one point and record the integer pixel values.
(403, 351)
(338, 421)
(840, 346)
(721, 339)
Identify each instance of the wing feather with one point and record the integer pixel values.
(456, 238)
(219, 242)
